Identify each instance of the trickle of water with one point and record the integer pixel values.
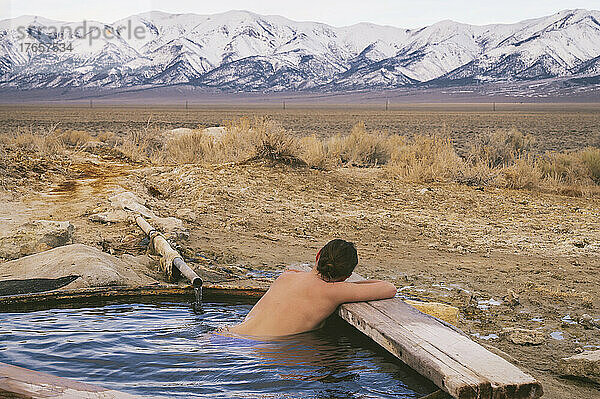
(198, 303)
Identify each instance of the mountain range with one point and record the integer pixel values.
(240, 51)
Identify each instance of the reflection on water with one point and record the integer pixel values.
(167, 350)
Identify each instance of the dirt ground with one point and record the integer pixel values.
(466, 246)
(451, 243)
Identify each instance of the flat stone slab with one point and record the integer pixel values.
(442, 311)
(94, 268)
(584, 365)
(36, 236)
(31, 285)
(522, 336)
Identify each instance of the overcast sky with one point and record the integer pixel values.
(399, 13)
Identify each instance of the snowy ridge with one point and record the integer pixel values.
(243, 51)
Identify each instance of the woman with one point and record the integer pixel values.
(299, 301)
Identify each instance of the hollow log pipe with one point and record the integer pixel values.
(178, 262)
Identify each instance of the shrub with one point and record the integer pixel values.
(524, 173)
(501, 147)
(565, 167)
(243, 141)
(45, 143)
(75, 138)
(591, 159)
(314, 153)
(271, 142)
(360, 148)
(425, 159)
(142, 146)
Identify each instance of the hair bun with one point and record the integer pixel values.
(326, 269)
(336, 260)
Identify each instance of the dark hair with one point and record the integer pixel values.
(336, 260)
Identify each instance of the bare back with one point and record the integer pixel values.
(301, 301)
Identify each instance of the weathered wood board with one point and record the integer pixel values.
(18, 382)
(240, 289)
(451, 360)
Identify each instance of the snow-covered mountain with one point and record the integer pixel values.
(242, 51)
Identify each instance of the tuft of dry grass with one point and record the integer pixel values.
(424, 159)
(500, 147)
(47, 143)
(359, 148)
(269, 141)
(142, 145)
(108, 138)
(522, 173)
(74, 138)
(314, 152)
(591, 159)
(243, 141)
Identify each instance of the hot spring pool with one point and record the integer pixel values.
(166, 349)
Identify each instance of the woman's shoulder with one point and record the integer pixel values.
(293, 275)
(294, 272)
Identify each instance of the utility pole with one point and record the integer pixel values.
(91, 106)
(387, 104)
(494, 108)
(284, 105)
(186, 104)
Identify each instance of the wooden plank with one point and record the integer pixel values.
(451, 360)
(80, 295)
(506, 379)
(21, 382)
(427, 360)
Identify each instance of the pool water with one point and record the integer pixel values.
(169, 350)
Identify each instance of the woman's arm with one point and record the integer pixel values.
(364, 290)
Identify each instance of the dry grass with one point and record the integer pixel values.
(503, 158)
(500, 147)
(359, 148)
(51, 142)
(244, 140)
(554, 126)
(522, 173)
(424, 159)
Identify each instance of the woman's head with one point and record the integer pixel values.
(336, 260)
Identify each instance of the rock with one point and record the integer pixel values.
(522, 336)
(95, 268)
(186, 214)
(567, 321)
(124, 206)
(584, 365)
(588, 321)
(112, 216)
(179, 131)
(216, 133)
(149, 266)
(511, 299)
(440, 310)
(128, 201)
(34, 237)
